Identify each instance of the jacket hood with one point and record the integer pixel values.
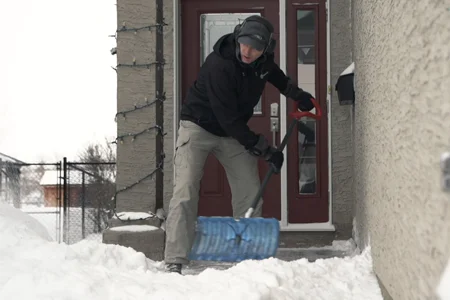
(226, 46)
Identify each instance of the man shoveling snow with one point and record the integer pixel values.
(214, 120)
(34, 267)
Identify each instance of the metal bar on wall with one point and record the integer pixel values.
(159, 85)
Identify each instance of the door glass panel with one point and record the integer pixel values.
(214, 26)
(306, 68)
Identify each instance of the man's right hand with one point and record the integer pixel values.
(261, 147)
(276, 160)
(269, 153)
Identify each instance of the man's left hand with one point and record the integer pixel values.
(304, 100)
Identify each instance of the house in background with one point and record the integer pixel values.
(7, 158)
(52, 186)
(10, 180)
(372, 168)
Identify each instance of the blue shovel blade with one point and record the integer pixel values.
(232, 240)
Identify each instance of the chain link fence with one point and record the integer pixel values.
(89, 188)
(34, 189)
(72, 200)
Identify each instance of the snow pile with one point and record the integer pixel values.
(33, 267)
(346, 246)
(15, 226)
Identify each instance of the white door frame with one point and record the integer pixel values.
(284, 224)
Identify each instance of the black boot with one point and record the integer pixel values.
(175, 268)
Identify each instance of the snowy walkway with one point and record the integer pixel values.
(33, 267)
(340, 249)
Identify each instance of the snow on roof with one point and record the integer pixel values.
(51, 178)
(5, 157)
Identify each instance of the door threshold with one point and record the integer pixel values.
(308, 227)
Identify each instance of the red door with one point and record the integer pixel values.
(203, 21)
(307, 150)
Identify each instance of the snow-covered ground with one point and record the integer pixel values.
(32, 266)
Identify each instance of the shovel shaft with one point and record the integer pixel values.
(271, 170)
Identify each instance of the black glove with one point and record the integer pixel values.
(261, 148)
(269, 153)
(276, 160)
(303, 98)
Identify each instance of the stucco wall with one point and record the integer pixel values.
(341, 143)
(401, 127)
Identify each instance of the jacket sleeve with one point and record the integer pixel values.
(221, 88)
(278, 79)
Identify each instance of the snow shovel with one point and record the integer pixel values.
(233, 240)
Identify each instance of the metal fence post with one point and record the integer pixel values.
(59, 225)
(83, 204)
(65, 199)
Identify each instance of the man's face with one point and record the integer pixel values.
(249, 54)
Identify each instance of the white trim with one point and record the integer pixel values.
(308, 227)
(176, 72)
(283, 112)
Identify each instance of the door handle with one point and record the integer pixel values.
(274, 122)
(274, 127)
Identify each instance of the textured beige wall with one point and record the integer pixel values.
(341, 143)
(401, 127)
(136, 159)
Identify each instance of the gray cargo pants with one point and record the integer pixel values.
(192, 149)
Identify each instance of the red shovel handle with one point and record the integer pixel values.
(300, 114)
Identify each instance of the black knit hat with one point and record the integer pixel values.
(256, 32)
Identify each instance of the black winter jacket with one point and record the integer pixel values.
(226, 91)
